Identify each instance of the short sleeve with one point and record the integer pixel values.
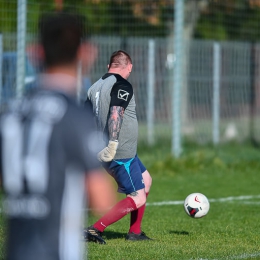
(121, 94)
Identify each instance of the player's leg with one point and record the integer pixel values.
(122, 208)
(137, 215)
(139, 173)
(130, 181)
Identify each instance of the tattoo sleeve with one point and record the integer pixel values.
(115, 122)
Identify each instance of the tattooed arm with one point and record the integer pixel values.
(115, 122)
(114, 125)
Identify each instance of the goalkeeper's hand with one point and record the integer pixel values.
(109, 152)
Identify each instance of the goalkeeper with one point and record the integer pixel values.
(113, 103)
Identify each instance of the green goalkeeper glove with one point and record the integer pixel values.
(109, 152)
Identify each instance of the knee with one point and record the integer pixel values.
(148, 183)
(139, 200)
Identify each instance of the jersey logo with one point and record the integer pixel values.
(122, 94)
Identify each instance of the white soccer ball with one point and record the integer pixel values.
(196, 205)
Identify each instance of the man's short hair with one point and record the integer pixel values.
(119, 58)
(60, 35)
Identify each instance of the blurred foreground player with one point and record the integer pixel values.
(46, 149)
(113, 103)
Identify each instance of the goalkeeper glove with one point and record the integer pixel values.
(109, 152)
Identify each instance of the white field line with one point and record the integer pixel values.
(235, 257)
(244, 256)
(179, 202)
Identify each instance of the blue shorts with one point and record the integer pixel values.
(127, 173)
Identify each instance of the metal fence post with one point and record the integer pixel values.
(177, 81)
(216, 92)
(21, 42)
(150, 89)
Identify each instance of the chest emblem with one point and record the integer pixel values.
(122, 94)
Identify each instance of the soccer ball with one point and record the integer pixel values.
(196, 205)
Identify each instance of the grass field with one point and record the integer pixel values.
(229, 176)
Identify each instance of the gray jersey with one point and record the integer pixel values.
(113, 90)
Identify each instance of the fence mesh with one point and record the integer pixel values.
(130, 25)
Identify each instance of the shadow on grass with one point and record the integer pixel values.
(182, 233)
(113, 235)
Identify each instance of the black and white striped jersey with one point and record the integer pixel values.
(47, 146)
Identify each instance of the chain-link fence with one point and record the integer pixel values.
(220, 90)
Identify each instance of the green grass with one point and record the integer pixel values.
(231, 230)
(2, 231)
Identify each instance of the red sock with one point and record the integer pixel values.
(121, 209)
(136, 219)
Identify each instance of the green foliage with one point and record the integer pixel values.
(8, 19)
(250, 27)
(229, 21)
(211, 27)
(104, 17)
(235, 20)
